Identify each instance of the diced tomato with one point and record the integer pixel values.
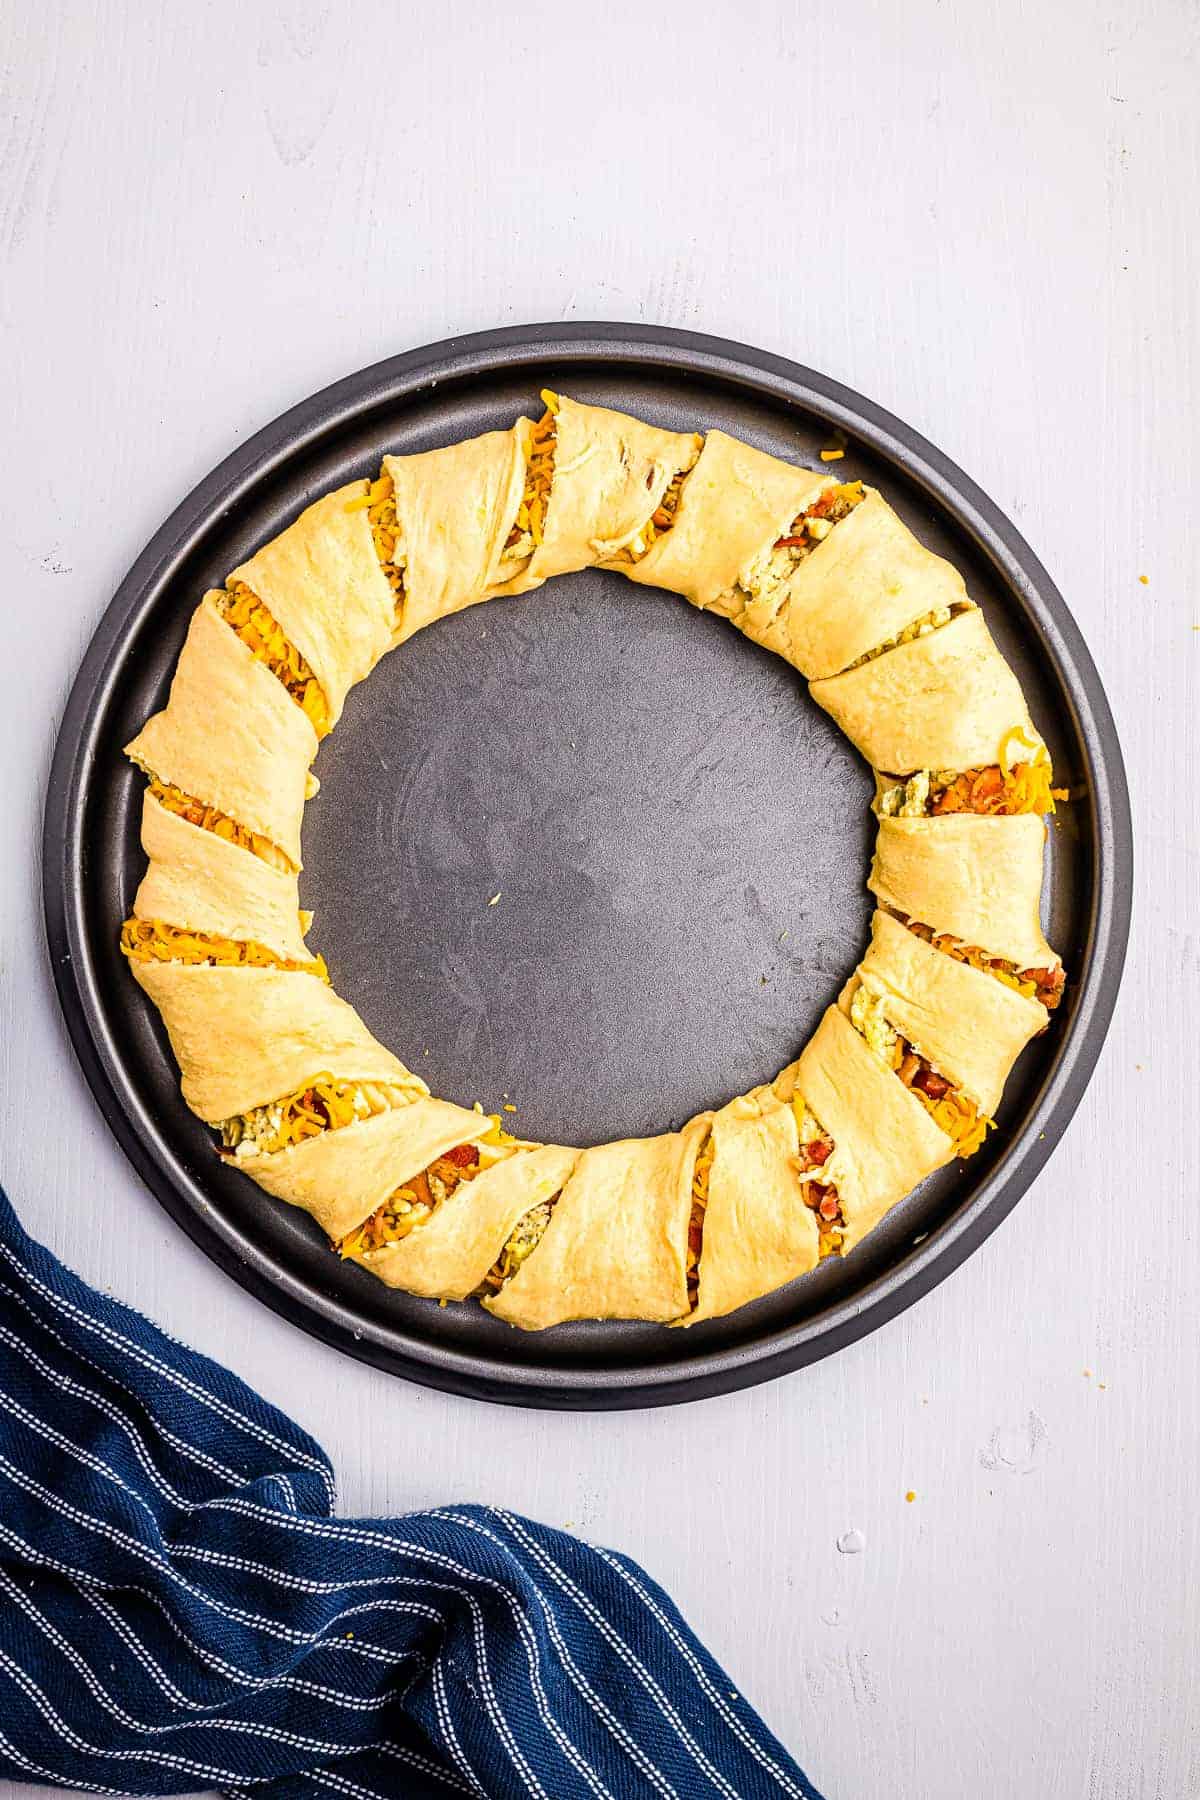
(910, 1068)
(933, 1085)
(987, 783)
(464, 1155)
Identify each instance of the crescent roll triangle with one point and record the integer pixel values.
(455, 508)
(437, 1200)
(944, 701)
(244, 1037)
(616, 1244)
(448, 1257)
(322, 581)
(201, 882)
(231, 735)
(885, 1140)
(971, 1027)
(341, 1176)
(758, 1232)
(978, 879)
(870, 580)
(610, 474)
(735, 503)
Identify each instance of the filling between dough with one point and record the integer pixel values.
(773, 568)
(820, 1196)
(416, 1200)
(152, 940)
(261, 632)
(701, 1170)
(1001, 789)
(949, 1108)
(379, 504)
(919, 628)
(322, 1105)
(520, 1244)
(1045, 985)
(814, 524)
(209, 818)
(529, 525)
(659, 522)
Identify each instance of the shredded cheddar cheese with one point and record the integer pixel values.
(260, 632)
(379, 504)
(530, 523)
(152, 940)
(324, 1105)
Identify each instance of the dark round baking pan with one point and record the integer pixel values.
(678, 836)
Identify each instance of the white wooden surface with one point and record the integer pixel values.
(985, 217)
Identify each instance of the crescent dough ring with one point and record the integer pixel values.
(201, 882)
(866, 583)
(454, 509)
(245, 1036)
(231, 735)
(616, 1244)
(448, 1256)
(342, 1176)
(885, 1142)
(610, 474)
(945, 701)
(896, 653)
(758, 1233)
(972, 877)
(971, 1027)
(322, 581)
(735, 503)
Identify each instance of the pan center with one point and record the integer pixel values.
(590, 855)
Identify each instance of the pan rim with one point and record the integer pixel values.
(502, 351)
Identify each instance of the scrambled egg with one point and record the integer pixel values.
(526, 1237)
(908, 799)
(866, 1015)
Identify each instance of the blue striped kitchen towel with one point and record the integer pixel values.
(180, 1610)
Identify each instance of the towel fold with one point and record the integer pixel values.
(180, 1609)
